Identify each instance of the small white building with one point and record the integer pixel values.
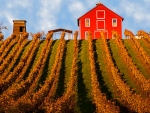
(138, 37)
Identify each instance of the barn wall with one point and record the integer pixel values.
(93, 23)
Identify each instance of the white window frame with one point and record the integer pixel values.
(86, 34)
(89, 22)
(112, 22)
(97, 14)
(97, 24)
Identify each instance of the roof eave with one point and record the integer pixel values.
(78, 21)
(87, 12)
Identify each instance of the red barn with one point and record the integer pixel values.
(100, 18)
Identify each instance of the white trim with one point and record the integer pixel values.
(99, 33)
(80, 28)
(89, 22)
(121, 30)
(112, 22)
(97, 24)
(97, 14)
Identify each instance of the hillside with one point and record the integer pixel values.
(81, 76)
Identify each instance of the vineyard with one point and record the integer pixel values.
(75, 76)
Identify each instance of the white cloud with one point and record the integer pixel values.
(8, 18)
(18, 3)
(92, 3)
(135, 10)
(77, 9)
(25, 3)
(147, 1)
(10, 11)
(136, 14)
(47, 14)
(46, 25)
(51, 6)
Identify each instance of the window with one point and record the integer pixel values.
(100, 14)
(100, 24)
(87, 22)
(113, 36)
(114, 22)
(86, 34)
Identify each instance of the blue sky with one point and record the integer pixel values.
(44, 15)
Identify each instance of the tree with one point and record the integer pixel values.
(2, 27)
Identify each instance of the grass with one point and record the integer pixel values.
(26, 49)
(61, 87)
(146, 45)
(137, 60)
(102, 69)
(68, 61)
(52, 56)
(19, 57)
(84, 96)
(50, 61)
(38, 52)
(123, 69)
(34, 59)
(105, 78)
(8, 50)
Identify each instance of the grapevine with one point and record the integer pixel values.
(126, 97)
(67, 101)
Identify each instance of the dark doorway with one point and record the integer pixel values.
(21, 28)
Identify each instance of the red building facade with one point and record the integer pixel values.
(100, 18)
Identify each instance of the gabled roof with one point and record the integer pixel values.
(19, 21)
(60, 29)
(97, 5)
